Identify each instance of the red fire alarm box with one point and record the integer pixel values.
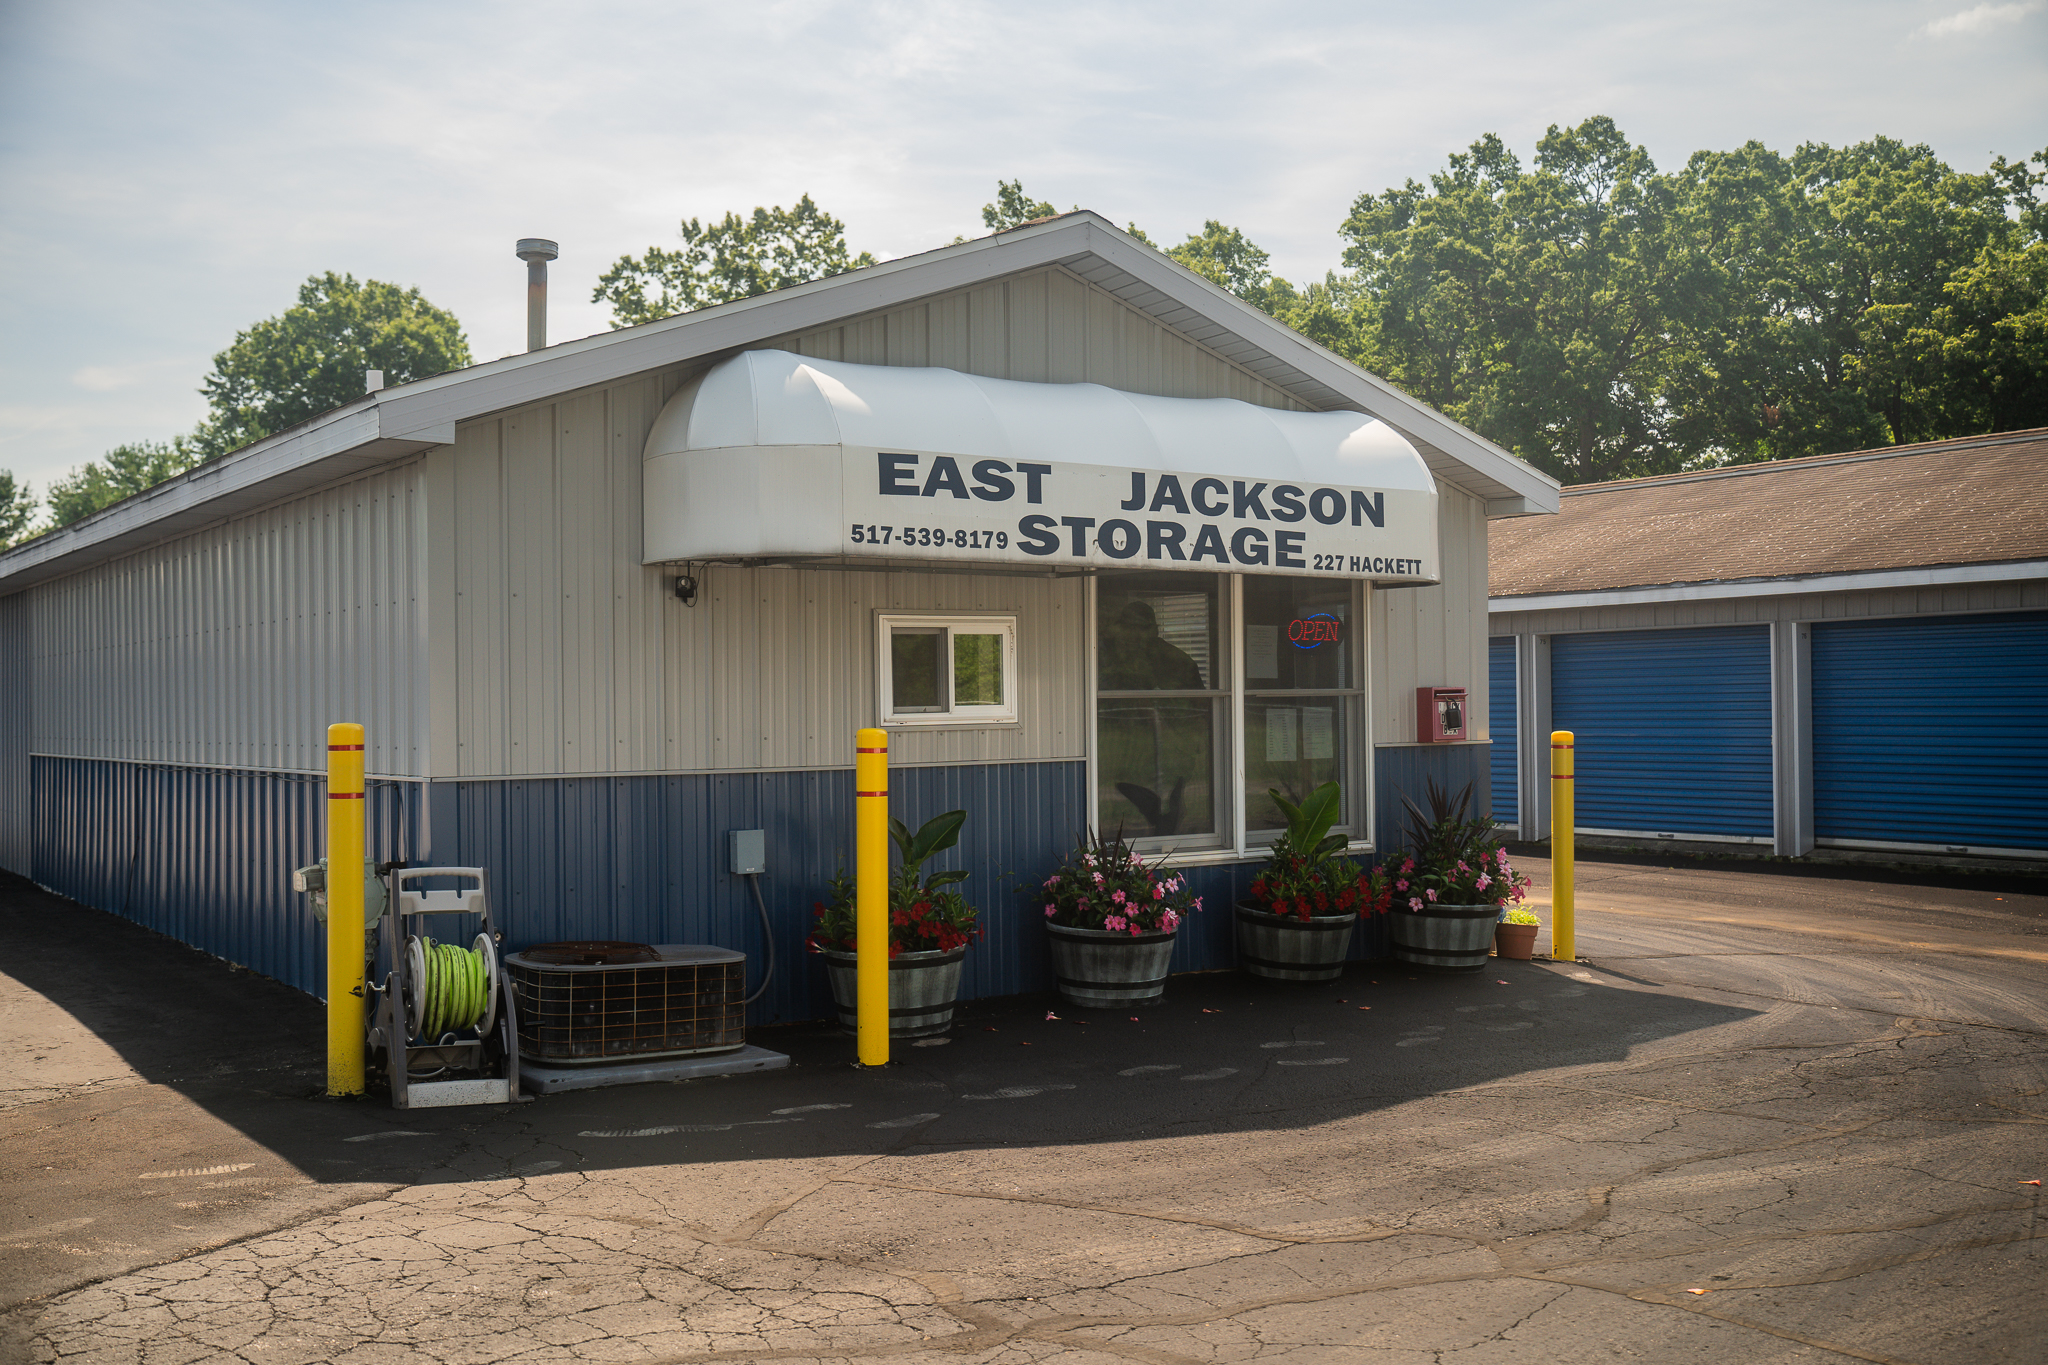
(1439, 714)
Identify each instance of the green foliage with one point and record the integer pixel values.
(17, 510)
(734, 258)
(1304, 875)
(1605, 320)
(311, 358)
(1453, 858)
(128, 470)
(1521, 917)
(1013, 207)
(925, 914)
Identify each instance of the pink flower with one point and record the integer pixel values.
(1053, 880)
(1048, 911)
(1158, 892)
(1401, 885)
(1168, 920)
(1135, 931)
(1430, 892)
(1483, 882)
(1198, 902)
(1098, 879)
(1117, 896)
(1408, 867)
(1114, 922)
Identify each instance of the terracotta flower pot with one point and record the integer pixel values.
(1515, 940)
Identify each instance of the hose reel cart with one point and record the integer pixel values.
(444, 1025)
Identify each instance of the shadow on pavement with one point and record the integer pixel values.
(232, 1070)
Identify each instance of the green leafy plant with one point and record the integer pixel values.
(1520, 917)
(1305, 875)
(1454, 857)
(1104, 884)
(925, 913)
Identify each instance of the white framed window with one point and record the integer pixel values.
(948, 670)
(1212, 690)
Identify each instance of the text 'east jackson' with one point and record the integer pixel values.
(1237, 499)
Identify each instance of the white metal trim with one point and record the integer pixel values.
(1677, 836)
(1896, 846)
(1946, 576)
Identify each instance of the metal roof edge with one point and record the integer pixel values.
(401, 420)
(1737, 471)
(1944, 575)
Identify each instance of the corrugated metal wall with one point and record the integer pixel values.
(17, 722)
(1434, 637)
(201, 854)
(1044, 326)
(1932, 730)
(236, 646)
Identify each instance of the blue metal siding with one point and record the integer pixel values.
(202, 855)
(205, 856)
(1500, 718)
(1932, 730)
(1673, 727)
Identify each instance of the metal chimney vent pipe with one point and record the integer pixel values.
(537, 252)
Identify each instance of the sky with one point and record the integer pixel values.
(169, 175)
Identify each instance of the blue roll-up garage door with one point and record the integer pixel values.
(1673, 728)
(1932, 730)
(1500, 719)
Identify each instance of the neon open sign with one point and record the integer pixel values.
(1313, 632)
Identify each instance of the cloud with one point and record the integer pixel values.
(103, 378)
(1978, 19)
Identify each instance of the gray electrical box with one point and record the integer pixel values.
(749, 852)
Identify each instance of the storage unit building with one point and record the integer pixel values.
(1098, 543)
(1846, 650)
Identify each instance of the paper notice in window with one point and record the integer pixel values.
(1262, 653)
(1318, 733)
(1281, 746)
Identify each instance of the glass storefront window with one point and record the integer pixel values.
(1166, 707)
(1156, 760)
(1297, 634)
(1157, 632)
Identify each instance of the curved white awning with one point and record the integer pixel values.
(774, 455)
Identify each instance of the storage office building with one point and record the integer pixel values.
(1100, 545)
(1844, 651)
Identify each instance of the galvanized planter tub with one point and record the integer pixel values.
(1452, 938)
(1283, 948)
(922, 990)
(1099, 967)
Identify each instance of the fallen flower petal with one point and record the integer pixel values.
(1207, 1010)
(1050, 1015)
(2030, 1182)
(1695, 1291)
(1365, 1007)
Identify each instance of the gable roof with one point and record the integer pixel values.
(1972, 502)
(395, 422)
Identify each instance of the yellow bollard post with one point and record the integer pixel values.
(871, 895)
(1563, 772)
(345, 993)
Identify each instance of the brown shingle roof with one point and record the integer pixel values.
(1974, 501)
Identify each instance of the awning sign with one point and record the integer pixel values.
(1014, 474)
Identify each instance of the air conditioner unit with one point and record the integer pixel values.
(606, 1002)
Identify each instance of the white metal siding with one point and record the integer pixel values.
(571, 657)
(17, 710)
(1435, 637)
(1816, 606)
(238, 645)
(1047, 326)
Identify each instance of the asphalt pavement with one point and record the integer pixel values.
(1763, 1118)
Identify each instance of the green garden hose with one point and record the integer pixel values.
(454, 989)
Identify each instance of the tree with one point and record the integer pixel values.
(1014, 208)
(17, 509)
(1864, 288)
(1540, 307)
(311, 358)
(129, 469)
(734, 258)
